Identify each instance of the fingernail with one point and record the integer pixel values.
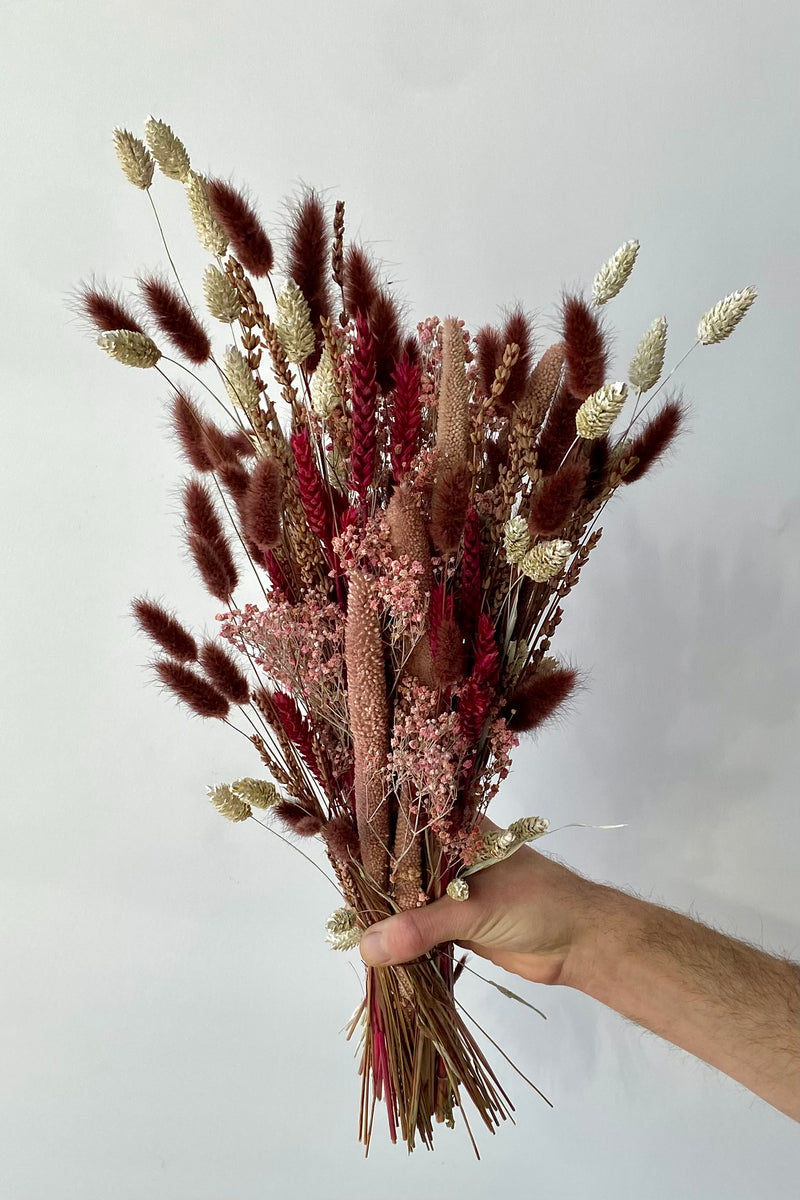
(374, 950)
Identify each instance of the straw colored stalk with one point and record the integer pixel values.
(369, 721)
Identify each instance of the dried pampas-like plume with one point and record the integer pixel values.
(613, 275)
(309, 255)
(648, 360)
(556, 500)
(537, 699)
(247, 236)
(175, 319)
(585, 349)
(599, 412)
(368, 710)
(654, 439)
(452, 424)
(293, 323)
(449, 503)
(128, 347)
(192, 689)
(167, 149)
(222, 299)
(134, 158)
(721, 320)
(262, 505)
(208, 229)
(224, 673)
(165, 629)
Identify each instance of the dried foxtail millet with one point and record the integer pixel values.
(134, 158)
(227, 803)
(128, 347)
(293, 322)
(721, 320)
(167, 149)
(648, 360)
(222, 298)
(613, 275)
(211, 234)
(546, 560)
(600, 410)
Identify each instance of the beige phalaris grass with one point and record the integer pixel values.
(342, 931)
(260, 793)
(228, 804)
(600, 410)
(648, 360)
(527, 829)
(458, 889)
(134, 158)
(545, 560)
(167, 149)
(211, 234)
(222, 298)
(324, 392)
(721, 320)
(129, 347)
(293, 322)
(517, 539)
(239, 382)
(613, 275)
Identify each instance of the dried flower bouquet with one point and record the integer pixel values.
(412, 510)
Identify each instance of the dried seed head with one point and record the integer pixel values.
(128, 347)
(227, 803)
(496, 844)
(259, 793)
(721, 320)
(599, 412)
(167, 149)
(648, 361)
(293, 322)
(458, 889)
(517, 539)
(211, 234)
(612, 276)
(222, 298)
(134, 158)
(527, 829)
(324, 393)
(342, 931)
(545, 560)
(239, 382)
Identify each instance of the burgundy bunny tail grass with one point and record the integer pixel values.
(313, 496)
(537, 700)
(103, 310)
(196, 692)
(655, 438)
(406, 416)
(365, 395)
(240, 444)
(201, 512)
(246, 234)
(518, 329)
(598, 467)
(297, 819)
(360, 281)
(218, 445)
(189, 426)
(557, 498)
(558, 432)
(309, 256)
(490, 346)
(449, 504)
(175, 319)
(450, 657)
(223, 672)
(586, 356)
(341, 836)
(471, 596)
(386, 325)
(165, 629)
(216, 566)
(236, 479)
(261, 509)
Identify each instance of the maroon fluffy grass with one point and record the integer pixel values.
(105, 311)
(224, 673)
(296, 818)
(556, 499)
(365, 394)
(175, 319)
(246, 234)
(655, 438)
(261, 509)
(537, 700)
(449, 503)
(165, 629)
(471, 594)
(586, 356)
(360, 281)
(194, 691)
(309, 256)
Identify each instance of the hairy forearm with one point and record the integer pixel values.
(728, 1003)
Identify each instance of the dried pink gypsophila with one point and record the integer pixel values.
(425, 749)
(398, 586)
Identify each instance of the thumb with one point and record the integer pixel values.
(412, 933)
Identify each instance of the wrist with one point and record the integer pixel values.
(600, 936)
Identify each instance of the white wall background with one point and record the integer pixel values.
(170, 1016)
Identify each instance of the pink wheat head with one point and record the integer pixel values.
(313, 494)
(406, 415)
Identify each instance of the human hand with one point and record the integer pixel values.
(526, 914)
